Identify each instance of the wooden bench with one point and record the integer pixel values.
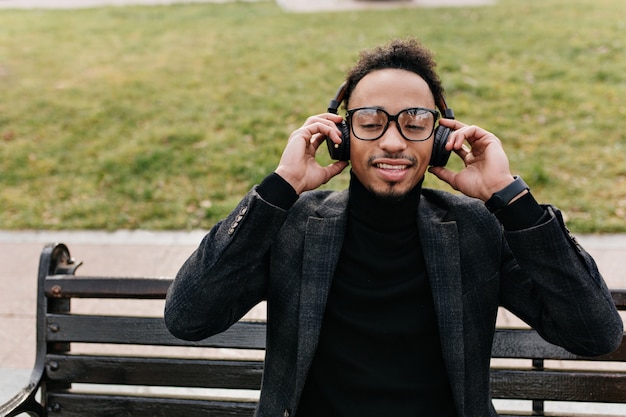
(116, 363)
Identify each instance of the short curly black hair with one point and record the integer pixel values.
(406, 54)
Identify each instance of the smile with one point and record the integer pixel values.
(392, 167)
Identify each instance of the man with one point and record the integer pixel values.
(382, 298)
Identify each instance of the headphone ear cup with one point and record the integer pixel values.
(340, 152)
(440, 155)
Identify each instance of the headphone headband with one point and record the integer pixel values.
(336, 102)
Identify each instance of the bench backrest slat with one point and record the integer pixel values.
(186, 372)
(527, 344)
(60, 286)
(92, 405)
(619, 298)
(146, 331)
(559, 385)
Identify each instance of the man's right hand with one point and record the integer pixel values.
(298, 165)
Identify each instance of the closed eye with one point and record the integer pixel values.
(371, 126)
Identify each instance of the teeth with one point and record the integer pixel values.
(388, 166)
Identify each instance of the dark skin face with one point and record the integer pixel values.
(390, 166)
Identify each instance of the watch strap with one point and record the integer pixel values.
(502, 198)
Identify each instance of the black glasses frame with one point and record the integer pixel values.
(393, 118)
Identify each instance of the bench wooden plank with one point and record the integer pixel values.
(62, 286)
(527, 344)
(554, 385)
(619, 298)
(67, 404)
(145, 331)
(196, 373)
(72, 286)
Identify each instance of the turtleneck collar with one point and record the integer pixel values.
(379, 213)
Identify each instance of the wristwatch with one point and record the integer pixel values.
(502, 198)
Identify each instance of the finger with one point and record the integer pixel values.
(456, 138)
(463, 152)
(334, 169)
(454, 124)
(469, 134)
(318, 139)
(325, 127)
(309, 134)
(326, 118)
(332, 132)
(445, 175)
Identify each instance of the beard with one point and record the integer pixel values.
(392, 194)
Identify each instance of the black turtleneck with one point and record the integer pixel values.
(379, 352)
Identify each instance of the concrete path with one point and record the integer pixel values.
(297, 6)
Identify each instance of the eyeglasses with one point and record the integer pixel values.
(415, 124)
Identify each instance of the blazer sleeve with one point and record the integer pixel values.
(227, 274)
(554, 285)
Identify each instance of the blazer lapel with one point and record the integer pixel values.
(440, 243)
(322, 246)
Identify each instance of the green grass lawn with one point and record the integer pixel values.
(163, 117)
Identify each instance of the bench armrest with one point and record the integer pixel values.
(25, 401)
(55, 259)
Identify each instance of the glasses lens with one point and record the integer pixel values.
(416, 124)
(368, 124)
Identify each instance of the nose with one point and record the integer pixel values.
(392, 141)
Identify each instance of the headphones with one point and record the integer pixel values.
(341, 151)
